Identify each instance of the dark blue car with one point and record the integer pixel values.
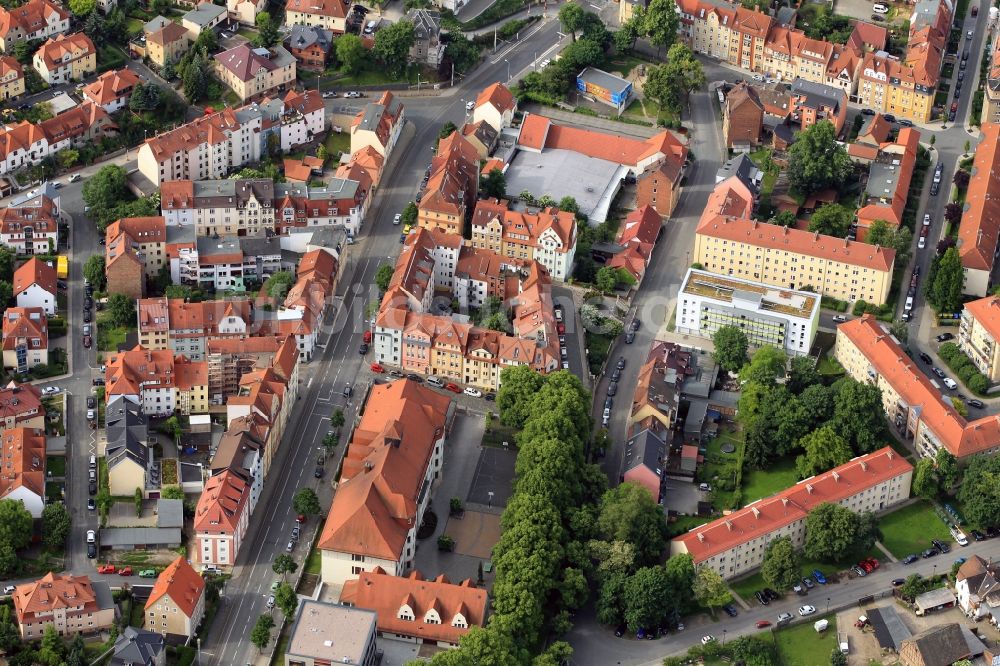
(820, 578)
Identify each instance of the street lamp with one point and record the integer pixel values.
(723, 636)
(828, 604)
(508, 69)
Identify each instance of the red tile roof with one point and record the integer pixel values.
(51, 592)
(35, 271)
(21, 324)
(222, 503)
(979, 230)
(109, 86)
(332, 8)
(181, 583)
(22, 452)
(903, 151)
(30, 17)
(55, 50)
(499, 96)
(386, 595)
(767, 515)
(986, 311)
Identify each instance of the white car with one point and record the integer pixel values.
(806, 610)
(839, 318)
(328, 94)
(91, 536)
(470, 105)
(475, 393)
(879, 8)
(49, 390)
(270, 601)
(397, 219)
(921, 243)
(545, 63)
(9, 589)
(927, 219)
(950, 383)
(707, 638)
(75, 177)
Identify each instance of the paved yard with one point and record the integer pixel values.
(475, 533)
(910, 529)
(494, 474)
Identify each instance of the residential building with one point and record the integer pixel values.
(364, 166)
(936, 646)
(979, 230)
(166, 41)
(310, 45)
(781, 318)
(414, 609)
(228, 262)
(30, 229)
(977, 586)
(659, 185)
(735, 544)
(112, 90)
(231, 358)
(224, 207)
(451, 192)
(35, 286)
(729, 242)
(138, 647)
(203, 17)
(127, 452)
(547, 236)
(815, 102)
(245, 11)
(158, 381)
(65, 58)
(916, 406)
(25, 339)
(979, 333)
(657, 395)
(242, 450)
(205, 148)
(991, 101)
(70, 604)
(22, 452)
(637, 238)
(221, 520)
(325, 633)
(496, 106)
(22, 144)
(84, 123)
(427, 49)
(303, 116)
(177, 602)
(135, 251)
(645, 458)
(875, 130)
(329, 14)
(626, 9)
(184, 328)
(889, 180)
(482, 136)
(254, 72)
(378, 125)
(12, 83)
(266, 397)
(36, 19)
(386, 482)
(21, 407)
(302, 170)
(742, 117)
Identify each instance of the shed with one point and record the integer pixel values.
(604, 87)
(200, 422)
(934, 600)
(140, 538)
(890, 632)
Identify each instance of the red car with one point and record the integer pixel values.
(125, 571)
(873, 562)
(561, 328)
(763, 624)
(866, 565)
(106, 569)
(453, 388)
(377, 368)
(368, 337)
(87, 341)
(301, 518)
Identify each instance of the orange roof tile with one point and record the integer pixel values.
(222, 503)
(61, 49)
(22, 452)
(331, 8)
(51, 592)
(111, 85)
(986, 311)
(25, 324)
(181, 584)
(35, 271)
(30, 16)
(980, 226)
(499, 96)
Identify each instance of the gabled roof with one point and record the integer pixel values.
(222, 503)
(109, 86)
(35, 271)
(137, 647)
(22, 453)
(30, 17)
(163, 31)
(20, 401)
(940, 645)
(59, 50)
(330, 8)
(979, 230)
(25, 325)
(641, 226)
(54, 591)
(986, 311)
(245, 61)
(305, 36)
(498, 95)
(181, 583)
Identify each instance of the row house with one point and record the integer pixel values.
(184, 328)
(735, 544)
(112, 90)
(65, 58)
(31, 229)
(495, 106)
(221, 519)
(306, 303)
(728, 241)
(176, 604)
(253, 72)
(12, 83)
(916, 406)
(452, 188)
(547, 236)
(135, 250)
(979, 229)
(364, 166)
(160, 382)
(86, 123)
(378, 125)
(25, 339)
(227, 207)
(127, 450)
(241, 451)
(206, 148)
(889, 178)
(245, 11)
(21, 407)
(22, 478)
(386, 483)
(637, 237)
(302, 118)
(991, 101)
(36, 19)
(340, 203)
(227, 262)
(67, 603)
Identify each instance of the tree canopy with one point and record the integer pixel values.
(629, 513)
(944, 288)
(834, 532)
(780, 568)
(494, 184)
(980, 491)
(817, 161)
(832, 220)
(731, 347)
(824, 450)
(383, 276)
(306, 502)
(351, 53)
(392, 46)
(15, 524)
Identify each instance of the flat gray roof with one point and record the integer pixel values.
(204, 14)
(140, 536)
(339, 634)
(560, 173)
(601, 78)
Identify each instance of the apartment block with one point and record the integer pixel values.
(36, 19)
(979, 230)
(252, 72)
(979, 333)
(324, 633)
(31, 229)
(21, 407)
(815, 102)
(65, 58)
(227, 262)
(991, 101)
(342, 202)
(916, 406)
(135, 250)
(70, 604)
(221, 520)
(85, 123)
(728, 242)
(735, 544)
(158, 381)
(450, 195)
(185, 328)
(378, 125)
(889, 178)
(742, 116)
(176, 603)
(547, 236)
(396, 451)
(220, 207)
(231, 358)
(302, 116)
(22, 452)
(166, 41)
(25, 339)
(780, 318)
(329, 14)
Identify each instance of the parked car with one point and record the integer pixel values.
(973, 402)
(621, 363)
(629, 337)
(910, 559)
(730, 610)
(763, 624)
(808, 582)
(938, 371)
(762, 598)
(415, 378)
(707, 638)
(348, 391)
(377, 368)
(930, 552)
(771, 594)
(944, 337)
(106, 568)
(950, 383)
(363, 349)
(839, 318)
(806, 610)
(818, 575)
(616, 374)
(125, 571)
(270, 601)
(612, 388)
(896, 582)
(475, 393)
(868, 112)
(977, 535)
(9, 589)
(490, 396)
(91, 504)
(889, 118)
(926, 358)
(784, 618)
(635, 324)
(452, 387)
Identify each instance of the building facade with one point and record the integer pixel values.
(177, 602)
(70, 604)
(979, 333)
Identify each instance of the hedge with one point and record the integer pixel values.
(964, 368)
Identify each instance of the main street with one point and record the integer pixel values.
(245, 594)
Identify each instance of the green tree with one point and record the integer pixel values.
(629, 513)
(55, 525)
(337, 420)
(447, 130)
(462, 52)
(802, 374)
(607, 277)
(105, 189)
(518, 387)
(306, 502)
(15, 524)
(709, 588)
(82, 7)
(780, 568)
(627, 35)
(645, 596)
(817, 161)
(208, 41)
(410, 212)
(832, 220)
(494, 184)
(267, 30)
(670, 84)
(824, 450)
(858, 415)
(93, 271)
(137, 500)
(9, 635)
(979, 492)
(766, 366)
(945, 291)
(579, 54)
(172, 492)
(947, 468)
(195, 79)
(660, 24)
(6, 263)
(817, 405)
(68, 157)
(121, 310)
(52, 650)
(351, 53)
(571, 18)
(8, 560)
(260, 635)
(77, 652)
(784, 218)
(834, 532)
(837, 658)
(286, 600)
(731, 347)
(279, 284)
(925, 481)
(284, 564)
(392, 46)
(383, 277)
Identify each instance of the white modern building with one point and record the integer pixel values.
(782, 318)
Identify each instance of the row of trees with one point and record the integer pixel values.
(943, 286)
(16, 526)
(109, 199)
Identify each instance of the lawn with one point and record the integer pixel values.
(314, 563)
(376, 77)
(828, 365)
(722, 468)
(55, 466)
(645, 110)
(683, 524)
(802, 646)
(337, 143)
(133, 26)
(759, 483)
(910, 529)
(499, 434)
(599, 346)
(622, 65)
(108, 336)
(745, 587)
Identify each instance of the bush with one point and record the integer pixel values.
(978, 384)
(859, 308)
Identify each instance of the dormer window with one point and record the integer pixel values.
(405, 613)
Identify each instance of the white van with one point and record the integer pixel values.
(950, 383)
(909, 304)
(821, 625)
(435, 382)
(879, 8)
